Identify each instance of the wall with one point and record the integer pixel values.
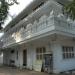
(32, 62)
(61, 64)
(1, 58)
(7, 56)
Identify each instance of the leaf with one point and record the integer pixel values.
(69, 9)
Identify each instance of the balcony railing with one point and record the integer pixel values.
(45, 24)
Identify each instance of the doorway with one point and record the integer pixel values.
(24, 57)
(48, 63)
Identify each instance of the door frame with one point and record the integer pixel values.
(48, 65)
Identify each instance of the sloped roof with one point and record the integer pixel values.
(27, 11)
(24, 13)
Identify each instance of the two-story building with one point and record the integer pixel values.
(40, 37)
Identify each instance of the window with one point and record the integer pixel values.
(68, 52)
(40, 53)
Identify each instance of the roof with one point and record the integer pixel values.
(27, 11)
(24, 13)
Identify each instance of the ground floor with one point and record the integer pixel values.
(45, 54)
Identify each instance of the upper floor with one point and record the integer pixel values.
(47, 18)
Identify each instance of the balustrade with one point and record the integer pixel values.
(44, 23)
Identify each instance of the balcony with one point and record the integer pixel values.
(43, 26)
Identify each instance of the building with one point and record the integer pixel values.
(40, 36)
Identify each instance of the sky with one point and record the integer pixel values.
(15, 10)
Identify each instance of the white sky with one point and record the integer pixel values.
(16, 9)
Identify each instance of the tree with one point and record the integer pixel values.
(11, 2)
(4, 7)
(70, 9)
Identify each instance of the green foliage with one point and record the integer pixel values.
(70, 9)
(3, 10)
(4, 7)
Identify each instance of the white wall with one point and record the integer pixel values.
(31, 55)
(1, 58)
(6, 57)
(32, 62)
(61, 64)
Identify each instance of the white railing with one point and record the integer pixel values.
(64, 26)
(40, 26)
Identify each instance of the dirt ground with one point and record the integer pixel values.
(14, 71)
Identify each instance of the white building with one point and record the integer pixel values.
(40, 33)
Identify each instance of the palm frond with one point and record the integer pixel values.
(69, 9)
